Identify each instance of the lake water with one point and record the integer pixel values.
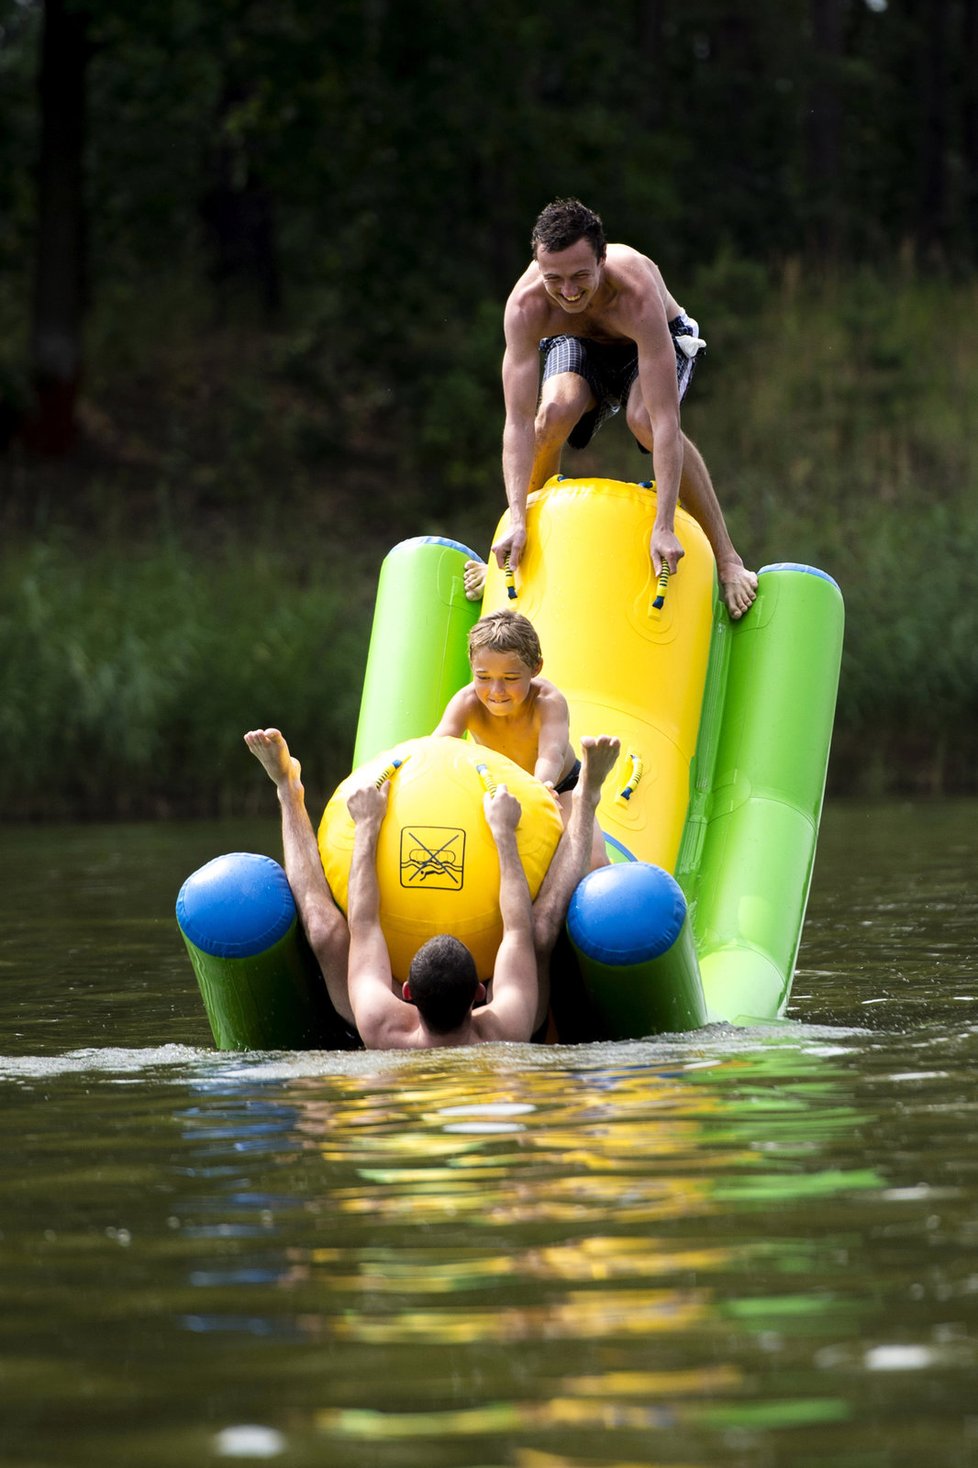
(735, 1247)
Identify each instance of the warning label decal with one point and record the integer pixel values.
(433, 857)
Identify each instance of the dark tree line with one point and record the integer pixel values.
(378, 163)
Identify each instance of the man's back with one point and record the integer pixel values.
(408, 1031)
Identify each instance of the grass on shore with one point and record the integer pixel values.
(130, 680)
(207, 561)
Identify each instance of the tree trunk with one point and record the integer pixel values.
(238, 214)
(970, 122)
(825, 129)
(59, 281)
(653, 101)
(935, 125)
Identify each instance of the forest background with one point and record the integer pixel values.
(253, 260)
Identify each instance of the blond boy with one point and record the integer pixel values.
(510, 708)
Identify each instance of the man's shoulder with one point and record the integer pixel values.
(391, 1031)
(627, 257)
(641, 301)
(490, 1026)
(526, 282)
(635, 276)
(383, 1019)
(527, 306)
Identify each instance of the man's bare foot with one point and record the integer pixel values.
(474, 580)
(598, 756)
(739, 587)
(272, 753)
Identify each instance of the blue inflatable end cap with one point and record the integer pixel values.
(236, 906)
(414, 540)
(801, 568)
(626, 914)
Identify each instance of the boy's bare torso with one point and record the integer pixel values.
(517, 736)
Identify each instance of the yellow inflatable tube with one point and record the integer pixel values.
(625, 666)
(437, 866)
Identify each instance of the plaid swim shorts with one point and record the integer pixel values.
(609, 369)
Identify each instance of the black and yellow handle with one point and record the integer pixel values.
(661, 587)
(635, 774)
(486, 778)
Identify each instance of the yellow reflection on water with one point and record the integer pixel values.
(598, 1242)
(591, 1258)
(426, 1198)
(578, 1315)
(533, 1458)
(655, 1383)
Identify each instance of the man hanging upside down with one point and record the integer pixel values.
(443, 1001)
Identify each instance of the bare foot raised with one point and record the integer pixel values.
(598, 756)
(474, 580)
(272, 753)
(739, 587)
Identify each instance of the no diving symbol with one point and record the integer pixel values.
(433, 857)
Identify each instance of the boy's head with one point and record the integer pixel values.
(507, 632)
(505, 657)
(443, 983)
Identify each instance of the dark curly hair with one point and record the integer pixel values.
(443, 981)
(563, 223)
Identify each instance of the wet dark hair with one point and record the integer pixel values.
(563, 223)
(443, 981)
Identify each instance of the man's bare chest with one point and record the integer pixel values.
(596, 329)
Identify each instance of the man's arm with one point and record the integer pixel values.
(660, 394)
(510, 1013)
(324, 925)
(521, 383)
(383, 1020)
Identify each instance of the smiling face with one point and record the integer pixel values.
(502, 681)
(571, 277)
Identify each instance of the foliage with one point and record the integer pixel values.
(301, 225)
(134, 657)
(131, 681)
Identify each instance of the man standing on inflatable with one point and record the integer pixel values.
(612, 336)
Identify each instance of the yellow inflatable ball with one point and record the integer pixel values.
(437, 865)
